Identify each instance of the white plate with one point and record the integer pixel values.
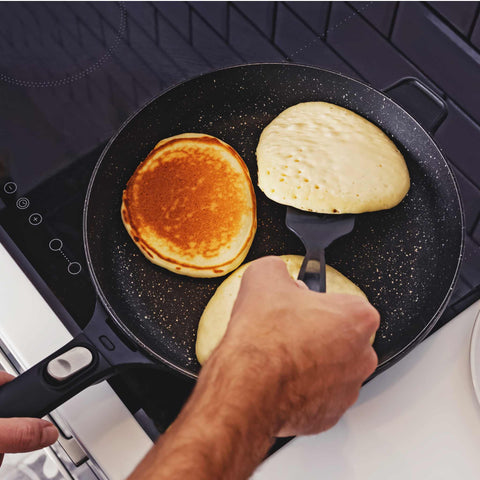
(475, 356)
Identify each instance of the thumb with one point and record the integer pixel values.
(301, 284)
(260, 277)
(25, 434)
(264, 272)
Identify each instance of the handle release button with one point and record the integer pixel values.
(69, 363)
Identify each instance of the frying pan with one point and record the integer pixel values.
(406, 259)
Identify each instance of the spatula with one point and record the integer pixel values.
(316, 231)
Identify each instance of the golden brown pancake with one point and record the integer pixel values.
(190, 206)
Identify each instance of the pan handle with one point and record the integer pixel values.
(94, 355)
(425, 105)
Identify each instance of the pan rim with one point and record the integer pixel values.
(118, 322)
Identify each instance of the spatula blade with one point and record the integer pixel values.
(316, 231)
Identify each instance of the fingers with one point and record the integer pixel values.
(25, 434)
(370, 362)
(371, 316)
(360, 311)
(5, 377)
(301, 284)
(369, 321)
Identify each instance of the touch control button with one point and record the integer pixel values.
(23, 203)
(10, 188)
(35, 219)
(69, 363)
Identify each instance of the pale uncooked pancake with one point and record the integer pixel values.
(320, 157)
(214, 321)
(190, 206)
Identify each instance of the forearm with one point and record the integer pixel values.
(223, 432)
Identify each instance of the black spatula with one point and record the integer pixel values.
(316, 231)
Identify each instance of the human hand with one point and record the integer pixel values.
(291, 362)
(311, 350)
(24, 434)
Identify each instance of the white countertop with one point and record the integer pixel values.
(418, 420)
(100, 421)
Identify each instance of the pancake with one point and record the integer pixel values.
(320, 157)
(214, 320)
(190, 206)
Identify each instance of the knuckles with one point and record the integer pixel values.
(371, 361)
(368, 315)
(353, 397)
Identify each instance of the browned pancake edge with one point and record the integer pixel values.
(164, 184)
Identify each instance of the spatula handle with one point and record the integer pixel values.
(313, 272)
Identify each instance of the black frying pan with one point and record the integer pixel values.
(405, 259)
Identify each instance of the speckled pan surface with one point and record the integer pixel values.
(405, 259)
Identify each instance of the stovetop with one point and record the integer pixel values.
(71, 73)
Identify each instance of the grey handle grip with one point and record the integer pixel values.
(34, 393)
